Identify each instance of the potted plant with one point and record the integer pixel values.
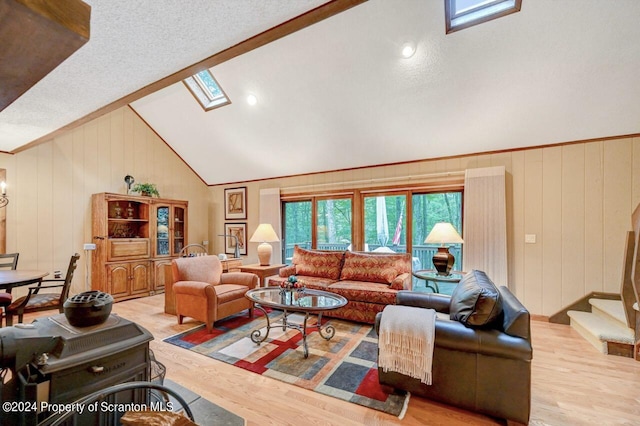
(146, 189)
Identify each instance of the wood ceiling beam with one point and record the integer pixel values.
(298, 23)
(35, 37)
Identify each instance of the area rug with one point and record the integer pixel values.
(343, 367)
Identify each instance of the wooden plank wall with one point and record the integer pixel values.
(576, 198)
(50, 187)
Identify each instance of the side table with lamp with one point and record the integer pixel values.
(442, 233)
(264, 234)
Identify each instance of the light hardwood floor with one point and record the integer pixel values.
(573, 384)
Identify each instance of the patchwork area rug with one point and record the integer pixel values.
(343, 367)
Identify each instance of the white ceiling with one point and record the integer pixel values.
(339, 95)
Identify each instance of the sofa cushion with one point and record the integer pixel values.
(362, 291)
(475, 301)
(377, 268)
(318, 263)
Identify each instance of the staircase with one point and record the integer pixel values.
(605, 327)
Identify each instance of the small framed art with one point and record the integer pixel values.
(235, 203)
(235, 233)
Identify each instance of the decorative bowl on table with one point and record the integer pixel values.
(291, 284)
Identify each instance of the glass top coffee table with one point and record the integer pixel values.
(301, 301)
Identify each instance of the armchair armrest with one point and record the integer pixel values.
(402, 282)
(34, 290)
(240, 278)
(38, 287)
(439, 302)
(287, 270)
(195, 288)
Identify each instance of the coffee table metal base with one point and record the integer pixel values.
(326, 331)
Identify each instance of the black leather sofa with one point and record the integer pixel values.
(484, 368)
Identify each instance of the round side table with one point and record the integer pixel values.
(432, 276)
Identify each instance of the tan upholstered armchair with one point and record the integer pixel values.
(203, 292)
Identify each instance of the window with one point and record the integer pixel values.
(385, 223)
(462, 14)
(427, 210)
(297, 227)
(324, 223)
(204, 87)
(382, 221)
(333, 224)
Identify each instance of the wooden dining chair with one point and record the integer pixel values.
(7, 261)
(36, 301)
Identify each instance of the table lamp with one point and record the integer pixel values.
(264, 235)
(443, 233)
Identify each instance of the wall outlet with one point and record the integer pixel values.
(530, 238)
(205, 243)
(89, 246)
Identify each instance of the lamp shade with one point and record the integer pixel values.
(264, 233)
(443, 233)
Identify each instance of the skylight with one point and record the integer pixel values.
(206, 90)
(462, 14)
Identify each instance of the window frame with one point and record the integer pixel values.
(201, 93)
(451, 16)
(357, 204)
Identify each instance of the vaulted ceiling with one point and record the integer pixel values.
(338, 94)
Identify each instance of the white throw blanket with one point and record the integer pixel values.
(406, 340)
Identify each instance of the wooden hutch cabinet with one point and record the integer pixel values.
(136, 238)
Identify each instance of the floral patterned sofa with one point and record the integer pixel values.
(369, 281)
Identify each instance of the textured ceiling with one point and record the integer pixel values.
(133, 44)
(339, 95)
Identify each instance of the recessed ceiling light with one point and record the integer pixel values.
(252, 99)
(408, 50)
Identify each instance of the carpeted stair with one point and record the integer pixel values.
(605, 327)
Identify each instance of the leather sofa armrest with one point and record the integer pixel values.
(240, 278)
(287, 270)
(439, 302)
(454, 335)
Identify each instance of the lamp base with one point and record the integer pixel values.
(264, 253)
(443, 261)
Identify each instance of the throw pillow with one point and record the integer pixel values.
(475, 302)
(377, 268)
(317, 263)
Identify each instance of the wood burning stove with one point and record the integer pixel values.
(77, 361)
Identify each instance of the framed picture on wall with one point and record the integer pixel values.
(235, 233)
(235, 203)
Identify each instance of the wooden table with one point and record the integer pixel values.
(231, 265)
(20, 277)
(262, 271)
